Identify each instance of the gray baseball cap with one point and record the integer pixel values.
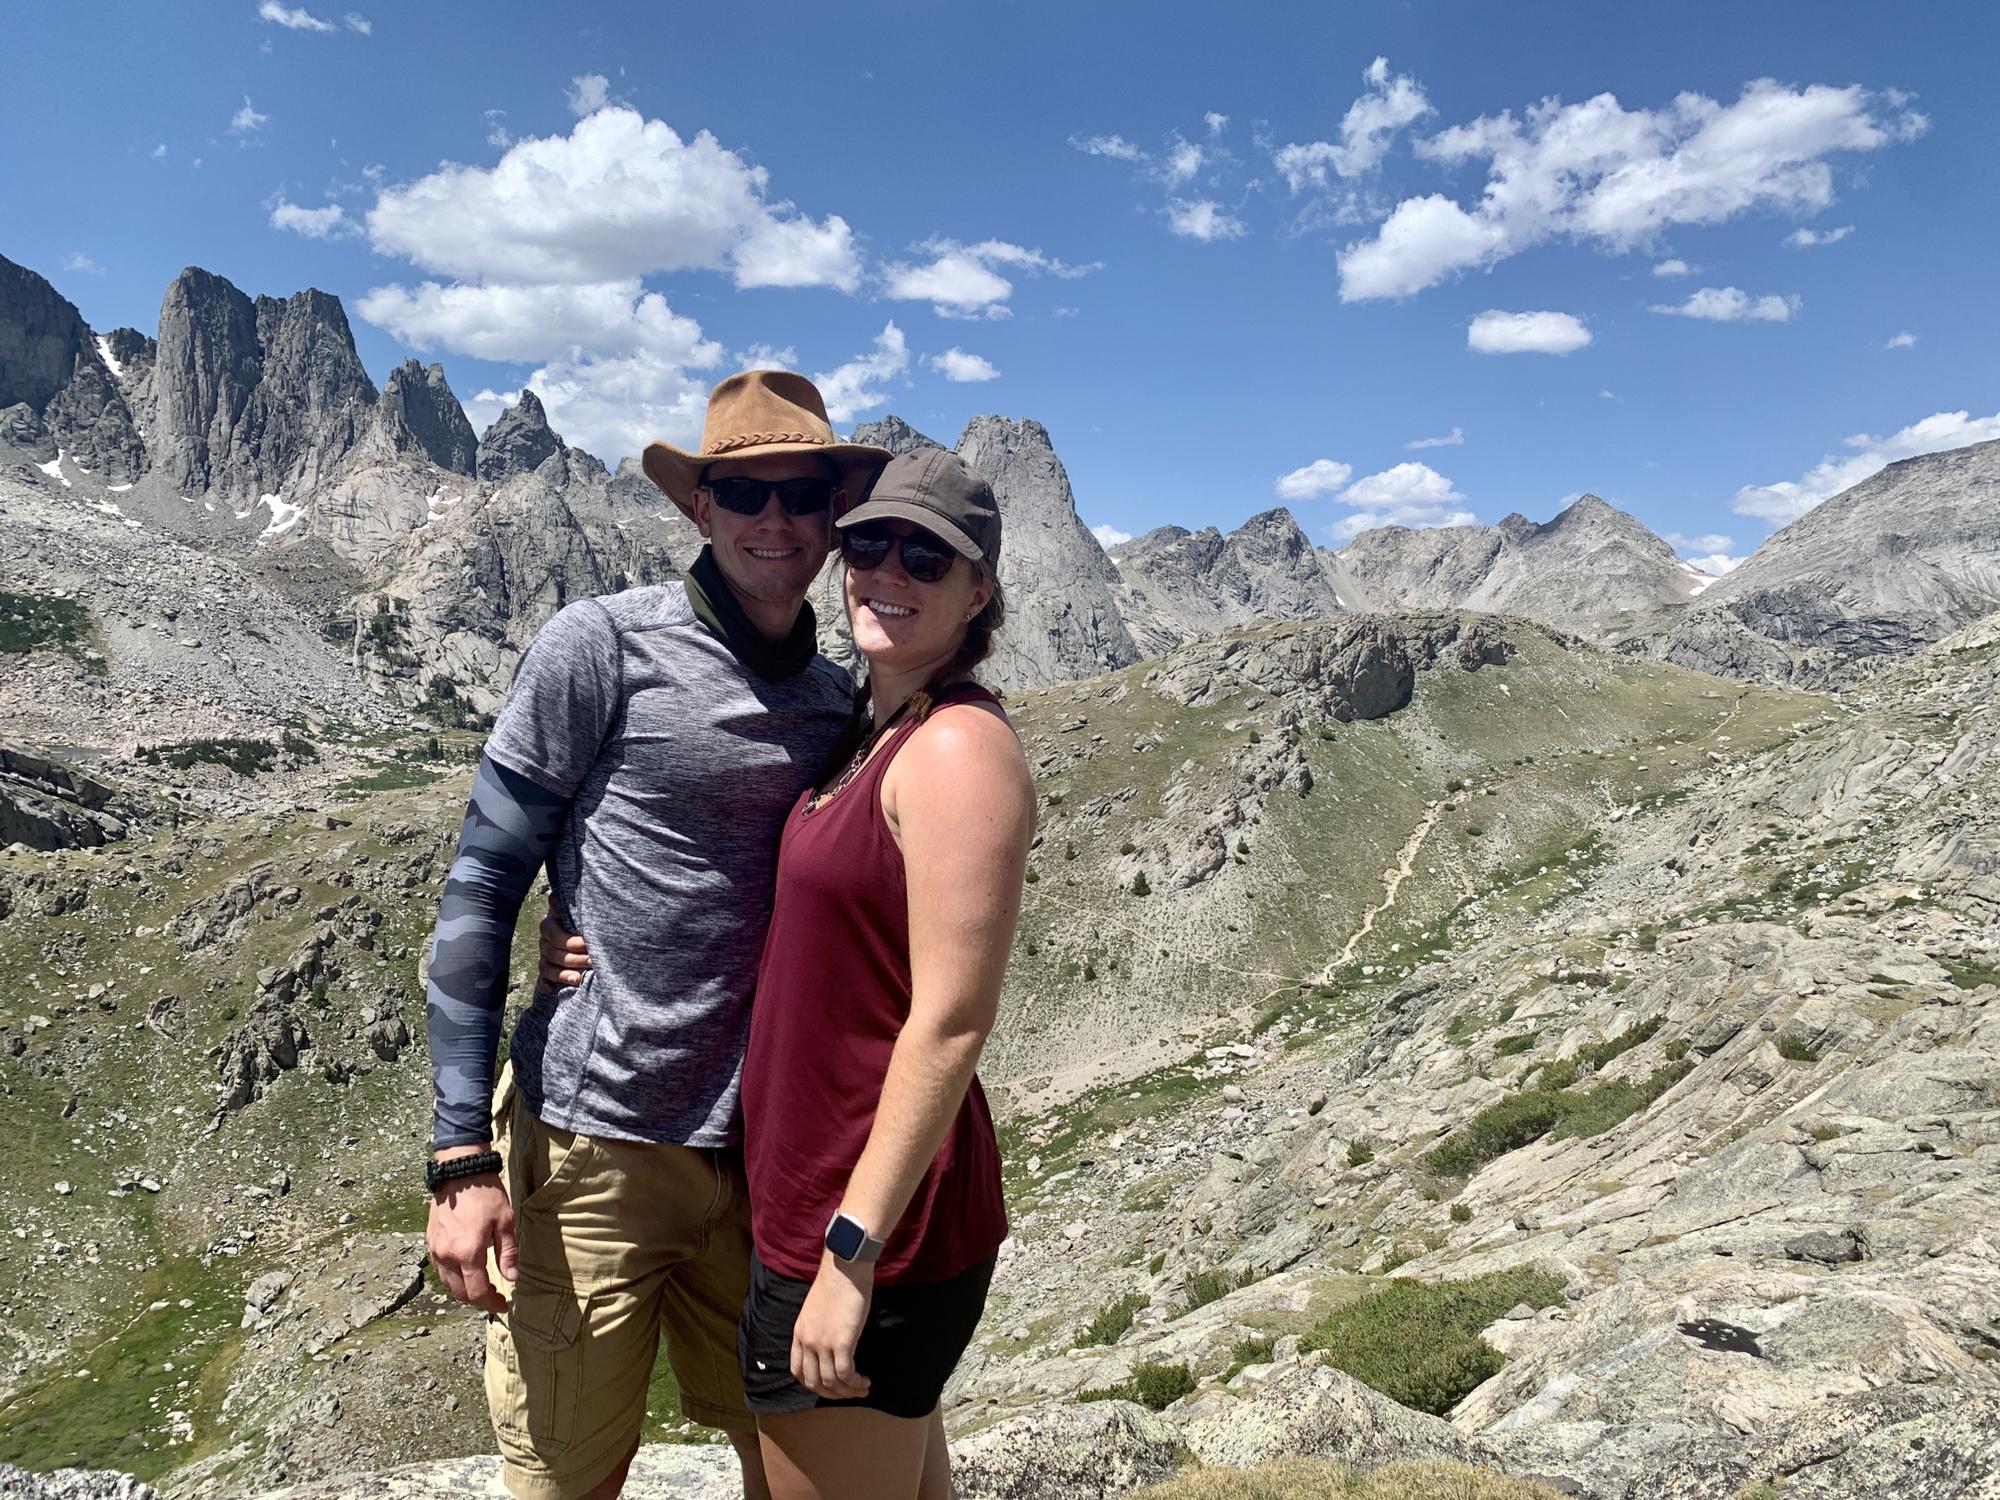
(937, 490)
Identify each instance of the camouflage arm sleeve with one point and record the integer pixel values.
(510, 826)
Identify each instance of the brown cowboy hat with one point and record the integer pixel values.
(754, 415)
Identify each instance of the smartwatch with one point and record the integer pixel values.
(848, 1238)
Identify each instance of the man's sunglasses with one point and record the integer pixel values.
(747, 497)
(925, 557)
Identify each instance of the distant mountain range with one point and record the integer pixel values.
(427, 555)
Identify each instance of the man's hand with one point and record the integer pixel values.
(829, 1327)
(470, 1215)
(564, 955)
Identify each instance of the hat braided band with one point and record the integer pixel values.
(758, 439)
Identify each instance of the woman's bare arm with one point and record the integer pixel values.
(960, 803)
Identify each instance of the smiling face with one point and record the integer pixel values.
(902, 625)
(771, 558)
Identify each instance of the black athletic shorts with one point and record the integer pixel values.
(909, 1346)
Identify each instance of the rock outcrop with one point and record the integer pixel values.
(1880, 570)
(418, 413)
(1063, 620)
(1174, 584)
(52, 365)
(1590, 569)
(893, 433)
(253, 398)
(520, 441)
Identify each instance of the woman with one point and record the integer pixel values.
(874, 1173)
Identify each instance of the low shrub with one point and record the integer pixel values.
(1205, 1287)
(1248, 1352)
(244, 757)
(1524, 1118)
(1109, 1326)
(1418, 1342)
(1461, 1213)
(1795, 1048)
(1154, 1386)
(1513, 1046)
(1359, 1153)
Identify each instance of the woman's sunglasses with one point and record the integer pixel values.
(925, 557)
(747, 497)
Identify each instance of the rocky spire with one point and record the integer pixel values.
(51, 365)
(418, 413)
(893, 433)
(1062, 610)
(254, 397)
(518, 442)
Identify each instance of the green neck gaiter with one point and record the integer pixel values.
(716, 606)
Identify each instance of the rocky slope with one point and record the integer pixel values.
(1175, 584)
(58, 393)
(1882, 569)
(1589, 569)
(1698, 983)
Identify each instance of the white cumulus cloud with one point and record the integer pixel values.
(295, 18)
(964, 281)
(1787, 500)
(956, 365)
(1322, 476)
(587, 93)
(246, 121)
(1203, 219)
(1410, 494)
(1600, 173)
(1803, 239)
(359, 23)
(1114, 146)
(1181, 163)
(1109, 536)
(1728, 304)
(522, 323)
(862, 383)
(1672, 268)
(1904, 340)
(1496, 332)
(619, 196)
(1366, 131)
(1712, 553)
(1451, 439)
(1216, 123)
(314, 223)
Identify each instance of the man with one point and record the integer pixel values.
(650, 747)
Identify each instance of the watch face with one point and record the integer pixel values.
(845, 1237)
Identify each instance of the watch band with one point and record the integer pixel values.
(479, 1164)
(849, 1240)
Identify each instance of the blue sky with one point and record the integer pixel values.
(1228, 259)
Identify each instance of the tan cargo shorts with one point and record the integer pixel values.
(620, 1242)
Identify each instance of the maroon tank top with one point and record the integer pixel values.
(833, 992)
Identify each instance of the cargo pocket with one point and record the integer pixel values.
(534, 1366)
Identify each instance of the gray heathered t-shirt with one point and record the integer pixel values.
(683, 764)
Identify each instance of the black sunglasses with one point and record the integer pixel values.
(925, 557)
(747, 497)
